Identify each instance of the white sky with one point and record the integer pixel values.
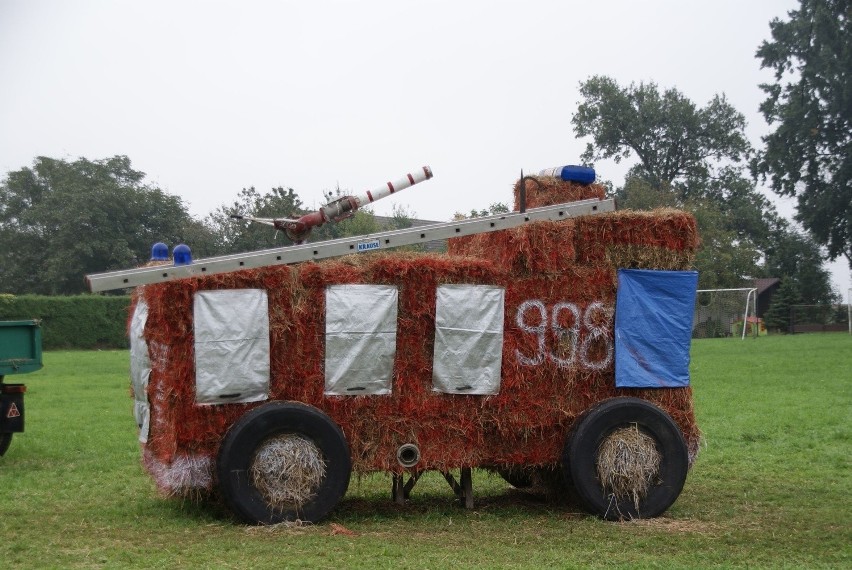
(209, 97)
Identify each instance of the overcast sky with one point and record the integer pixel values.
(211, 97)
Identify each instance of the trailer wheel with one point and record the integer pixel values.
(5, 440)
(283, 461)
(626, 459)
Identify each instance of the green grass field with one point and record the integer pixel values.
(771, 487)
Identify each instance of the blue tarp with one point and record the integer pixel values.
(653, 327)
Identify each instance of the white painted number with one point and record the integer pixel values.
(539, 330)
(598, 331)
(568, 323)
(567, 337)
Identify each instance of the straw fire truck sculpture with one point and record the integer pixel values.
(550, 345)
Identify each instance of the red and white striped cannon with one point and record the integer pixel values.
(339, 209)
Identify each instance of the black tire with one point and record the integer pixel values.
(580, 456)
(253, 431)
(5, 441)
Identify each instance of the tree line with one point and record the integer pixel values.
(60, 220)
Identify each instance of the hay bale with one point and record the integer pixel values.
(662, 229)
(634, 256)
(540, 247)
(628, 463)
(549, 190)
(287, 470)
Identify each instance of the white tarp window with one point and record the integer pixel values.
(468, 339)
(140, 369)
(231, 346)
(360, 339)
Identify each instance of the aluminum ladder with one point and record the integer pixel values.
(344, 246)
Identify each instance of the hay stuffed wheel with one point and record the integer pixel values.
(283, 461)
(626, 459)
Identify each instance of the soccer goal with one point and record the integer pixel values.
(725, 313)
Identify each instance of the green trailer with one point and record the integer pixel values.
(20, 352)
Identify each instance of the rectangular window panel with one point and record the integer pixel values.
(140, 368)
(360, 339)
(231, 346)
(468, 339)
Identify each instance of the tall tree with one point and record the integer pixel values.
(796, 258)
(687, 158)
(722, 260)
(777, 317)
(672, 137)
(694, 159)
(60, 220)
(809, 153)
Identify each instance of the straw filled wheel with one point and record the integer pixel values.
(626, 459)
(283, 461)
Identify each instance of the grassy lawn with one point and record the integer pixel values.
(771, 487)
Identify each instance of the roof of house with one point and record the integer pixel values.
(765, 283)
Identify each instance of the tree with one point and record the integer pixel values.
(777, 317)
(672, 138)
(401, 217)
(722, 260)
(201, 238)
(809, 154)
(493, 209)
(60, 220)
(748, 213)
(796, 258)
(361, 223)
(640, 194)
(687, 158)
(692, 159)
(235, 236)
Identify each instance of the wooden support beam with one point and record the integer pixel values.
(452, 481)
(467, 487)
(397, 490)
(406, 491)
(401, 492)
(463, 490)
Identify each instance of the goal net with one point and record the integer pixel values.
(726, 313)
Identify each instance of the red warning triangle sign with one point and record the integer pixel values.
(13, 411)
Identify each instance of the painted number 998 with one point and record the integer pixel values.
(566, 335)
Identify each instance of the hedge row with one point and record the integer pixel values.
(82, 321)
